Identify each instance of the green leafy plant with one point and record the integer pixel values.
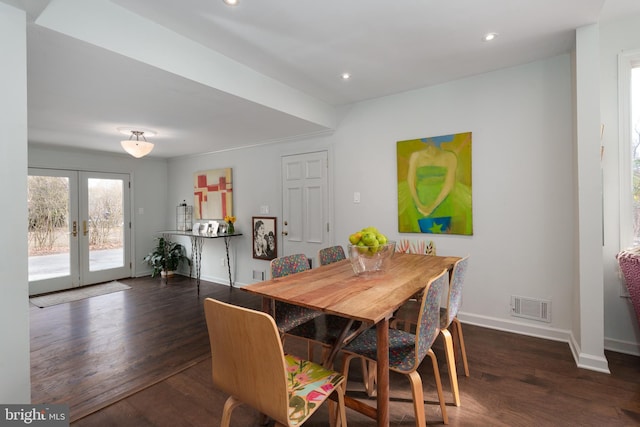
(167, 256)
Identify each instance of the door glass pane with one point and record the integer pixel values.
(105, 224)
(48, 208)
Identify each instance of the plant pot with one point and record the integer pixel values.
(169, 273)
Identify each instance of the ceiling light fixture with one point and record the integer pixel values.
(489, 37)
(231, 2)
(346, 76)
(136, 147)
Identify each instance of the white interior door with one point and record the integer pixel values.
(79, 229)
(305, 225)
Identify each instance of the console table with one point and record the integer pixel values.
(197, 242)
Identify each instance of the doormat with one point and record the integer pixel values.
(77, 294)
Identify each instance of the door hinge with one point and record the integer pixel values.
(327, 227)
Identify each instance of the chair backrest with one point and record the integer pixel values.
(289, 264)
(422, 247)
(331, 254)
(428, 326)
(454, 300)
(247, 357)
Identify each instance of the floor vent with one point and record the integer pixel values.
(530, 308)
(258, 275)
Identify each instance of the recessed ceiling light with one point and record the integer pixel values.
(489, 37)
(345, 76)
(231, 2)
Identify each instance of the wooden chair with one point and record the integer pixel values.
(288, 316)
(408, 313)
(407, 350)
(331, 254)
(249, 364)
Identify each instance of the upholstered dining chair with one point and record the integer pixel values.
(255, 370)
(408, 313)
(331, 254)
(326, 329)
(288, 316)
(407, 350)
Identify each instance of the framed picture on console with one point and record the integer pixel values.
(265, 240)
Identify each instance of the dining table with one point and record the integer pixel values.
(371, 298)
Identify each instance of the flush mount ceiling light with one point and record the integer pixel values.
(231, 2)
(489, 37)
(136, 147)
(345, 76)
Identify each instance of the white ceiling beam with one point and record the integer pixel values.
(109, 26)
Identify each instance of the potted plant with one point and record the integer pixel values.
(166, 257)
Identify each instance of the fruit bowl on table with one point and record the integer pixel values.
(371, 259)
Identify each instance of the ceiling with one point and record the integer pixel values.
(208, 77)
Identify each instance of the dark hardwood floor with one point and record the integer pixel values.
(140, 358)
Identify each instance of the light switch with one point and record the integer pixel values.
(356, 197)
(264, 209)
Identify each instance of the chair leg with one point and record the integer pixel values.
(370, 372)
(339, 419)
(418, 398)
(369, 369)
(309, 350)
(229, 406)
(326, 352)
(463, 350)
(436, 375)
(451, 365)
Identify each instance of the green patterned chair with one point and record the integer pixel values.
(255, 371)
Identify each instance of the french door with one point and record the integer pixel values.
(305, 210)
(79, 228)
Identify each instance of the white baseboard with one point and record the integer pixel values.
(625, 347)
(583, 360)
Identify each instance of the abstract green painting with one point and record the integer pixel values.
(434, 185)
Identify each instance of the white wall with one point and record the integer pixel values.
(621, 328)
(15, 383)
(521, 120)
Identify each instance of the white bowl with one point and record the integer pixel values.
(371, 259)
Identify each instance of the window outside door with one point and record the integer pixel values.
(79, 229)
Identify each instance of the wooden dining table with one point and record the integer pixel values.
(371, 298)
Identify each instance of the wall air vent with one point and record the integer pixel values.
(531, 308)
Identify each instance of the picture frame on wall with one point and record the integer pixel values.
(265, 237)
(212, 194)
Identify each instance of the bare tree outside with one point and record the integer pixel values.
(105, 213)
(48, 210)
